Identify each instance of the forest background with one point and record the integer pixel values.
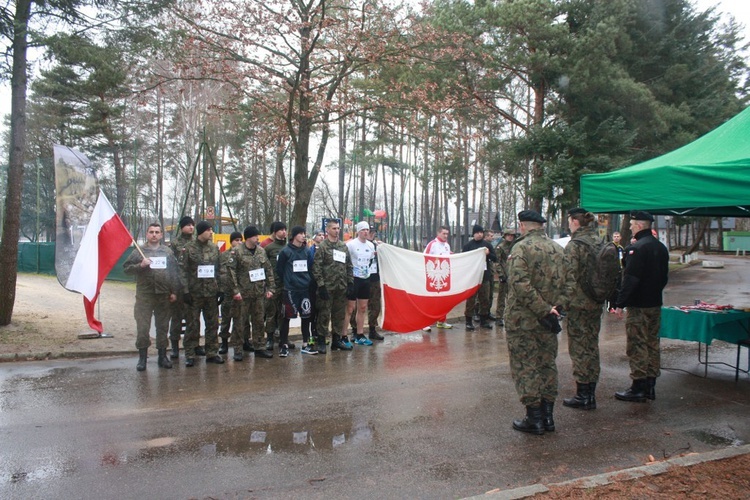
(446, 112)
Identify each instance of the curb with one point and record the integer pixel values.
(621, 475)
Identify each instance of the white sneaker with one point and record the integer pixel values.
(427, 329)
(444, 326)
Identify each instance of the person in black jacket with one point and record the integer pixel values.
(293, 268)
(483, 294)
(644, 278)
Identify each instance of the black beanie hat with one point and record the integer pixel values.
(477, 229)
(251, 231)
(298, 229)
(186, 221)
(236, 235)
(202, 227)
(277, 226)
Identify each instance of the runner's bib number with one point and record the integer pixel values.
(158, 262)
(339, 256)
(299, 266)
(205, 272)
(257, 275)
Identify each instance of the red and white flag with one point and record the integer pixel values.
(420, 289)
(105, 240)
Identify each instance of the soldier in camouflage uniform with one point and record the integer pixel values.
(274, 304)
(535, 286)
(502, 250)
(157, 285)
(333, 272)
(179, 310)
(644, 278)
(231, 310)
(584, 313)
(200, 273)
(253, 282)
(483, 294)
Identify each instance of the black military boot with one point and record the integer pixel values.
(651, 385)
(470, 324)
(175, 349)
(142, 356)
(532, 423)
(547, 420)
(484, 322)
(334, 342)
(224, 347)
(163, 359)
(374, 335)
(637, 393)
(200, 350)
(320, 344)
(582, 399)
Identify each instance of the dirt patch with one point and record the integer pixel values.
(728, 478)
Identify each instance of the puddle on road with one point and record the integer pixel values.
(718, 436)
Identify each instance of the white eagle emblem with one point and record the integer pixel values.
(438, 273)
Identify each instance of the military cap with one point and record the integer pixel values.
(251, 231)
(531, 216)
(509, 230)
(236, 235)
(202, 227)
(277, 226)
(477, 229)
(186, 221)
(577, 211)
(641, 215)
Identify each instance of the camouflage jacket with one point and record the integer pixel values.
(199, 257)
(502, 250)
(159, 280)
(178, 244)
(536, 280)
(240, 262)
(225, 280)
(576, 263)
(273, 250)
(330, 273)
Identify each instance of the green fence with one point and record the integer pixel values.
(40, 258)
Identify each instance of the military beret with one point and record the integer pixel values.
(202, 227)
(531, 216)
(251, 231)
(236, 235)
(641, 215)
(277, 226)
(577, 211)
(477, 229)
(186, 221)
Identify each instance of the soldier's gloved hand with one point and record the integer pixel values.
(551, 322)
(219, 297)
(323, 293)
(187, 298)
(350, 291)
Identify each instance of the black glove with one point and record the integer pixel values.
(551, 322)
(219, 297)
(323, 293)
(350, 291)
(561, 310)
(187, 298)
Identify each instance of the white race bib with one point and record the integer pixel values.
(257, 275)
(158, 262)
(205, 272)
(339, 256)
(300, 266)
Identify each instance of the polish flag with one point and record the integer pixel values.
(420, 289)
(105, 240)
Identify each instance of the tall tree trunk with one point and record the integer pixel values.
(12, 225)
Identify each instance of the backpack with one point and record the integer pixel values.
(603, 272)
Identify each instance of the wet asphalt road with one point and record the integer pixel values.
(417, 416)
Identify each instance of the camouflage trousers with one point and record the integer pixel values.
(373, 307)
(274, 310)
(179, 312)
(147, 304)
(331, 314)
(251, 323)
(642, 330)
(210, 310)
(532, 364)
(483, 297)
(502, 291)
(231, 310)
(583, 343)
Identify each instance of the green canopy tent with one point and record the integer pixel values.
(708, 177)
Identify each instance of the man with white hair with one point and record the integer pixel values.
(361, 252)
